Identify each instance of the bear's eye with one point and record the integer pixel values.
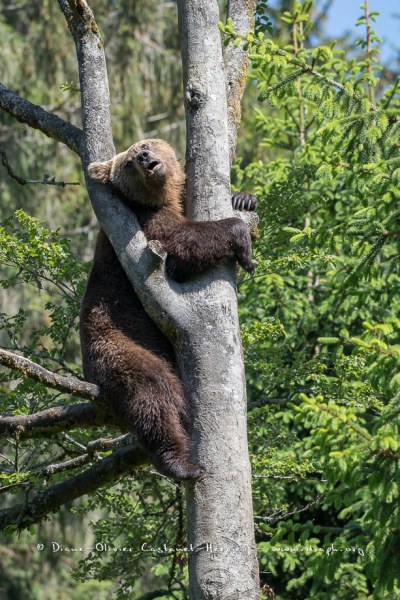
(129, 162)
(144, 147)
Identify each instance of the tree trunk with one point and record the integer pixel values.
(220, 517)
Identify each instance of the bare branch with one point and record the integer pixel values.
(99, 445)
(70, 385)
(236, 63)
(103, 473)
(280, 515)
(65, 436)
(106, 444)
(66, 465)
(7, 488)
(54, 420)
(47, 180)
(38, 118)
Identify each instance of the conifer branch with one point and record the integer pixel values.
(392, 93)
(371, 92)
(306, 68)
(359, 430)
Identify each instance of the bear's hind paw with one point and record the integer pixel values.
(178, 470)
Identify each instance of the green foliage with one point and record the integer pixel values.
(320, 316)
(142, 533)
(32, 254)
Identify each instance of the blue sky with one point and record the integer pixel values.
(344, 13)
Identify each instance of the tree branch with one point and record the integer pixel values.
(69, 385)
(54, 420)
(105, 472)
(66, 465)
(47, 180)
(99, 445)
(38, 118)
(236, 63)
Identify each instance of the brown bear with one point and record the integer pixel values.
(123, 350)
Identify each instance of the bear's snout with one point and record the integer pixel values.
(149, 161)
(142, 157)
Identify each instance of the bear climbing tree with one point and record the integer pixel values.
(198, 317)
(123, 351)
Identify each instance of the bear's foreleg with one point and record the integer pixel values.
(195, 246)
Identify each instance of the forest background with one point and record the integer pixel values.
(319, 145)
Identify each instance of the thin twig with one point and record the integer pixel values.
(72, 441)
(278, 516)
(47, 180)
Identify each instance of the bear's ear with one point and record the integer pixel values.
(100, 171)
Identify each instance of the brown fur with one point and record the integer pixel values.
(123, 350)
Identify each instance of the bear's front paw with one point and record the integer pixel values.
(245, 261)
(241, 244)
(243, 201)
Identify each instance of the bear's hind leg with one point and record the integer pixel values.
(159, 425)
(148, 399)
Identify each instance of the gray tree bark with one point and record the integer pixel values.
(236, 63)
(220, 516)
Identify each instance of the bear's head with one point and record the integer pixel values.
(147, 173)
